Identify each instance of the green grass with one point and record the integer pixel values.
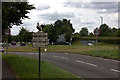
(111, 54)
(104, 50)
(22, 49)
(27, 67)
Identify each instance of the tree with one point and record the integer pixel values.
(91, 34)
(104, 30)
(113, 32)
(14, 12)
(24, 35)
(75, 34)
(117, 33)
(84, 32)
(59, 27)
(49, 28)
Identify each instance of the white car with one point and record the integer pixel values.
(90, 44)
(1, 48)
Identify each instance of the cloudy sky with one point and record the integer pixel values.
(81, 13)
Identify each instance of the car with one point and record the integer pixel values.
(22, 43)
(13, 43)
(1, 47)
(90, 44)
(61, 43)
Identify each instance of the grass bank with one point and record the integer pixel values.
(27, 67)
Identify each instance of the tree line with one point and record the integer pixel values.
(105, 31)
(64, 27)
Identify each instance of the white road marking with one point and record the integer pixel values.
(91, 64)
(86, 63)
(79, 61)
(114, 70)
(66, 53)
(31, 53)
(55, 56)
(64, 57)
(61, 57)
(100, 58)
(107, 59)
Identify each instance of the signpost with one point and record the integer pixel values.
(7, 33)
(96, 33)
(40, 39)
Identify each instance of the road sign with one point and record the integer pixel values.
(96, 32)
(40, 39)
(7, 31)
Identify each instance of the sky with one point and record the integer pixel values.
(81, 13)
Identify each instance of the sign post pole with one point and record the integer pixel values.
(39, 59)
(96, 33)
(39, 40)
(6, 45)
(96, 45)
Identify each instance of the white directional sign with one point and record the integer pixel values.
(40, 39)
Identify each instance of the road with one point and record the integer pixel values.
(81, 65)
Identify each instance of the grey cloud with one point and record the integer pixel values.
(42, 7)
(56, 16)
(109, 6)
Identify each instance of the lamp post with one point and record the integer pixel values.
(101, 20)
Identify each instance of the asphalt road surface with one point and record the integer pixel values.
(81, 65)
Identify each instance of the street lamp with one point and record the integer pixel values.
(101, 20)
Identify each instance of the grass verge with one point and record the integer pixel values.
(27, 67)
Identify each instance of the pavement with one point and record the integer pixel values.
(81, 65)
(7, 72)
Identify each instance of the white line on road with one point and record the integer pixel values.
(79, 61)
(86, 63)
(55, 56)
(64, 57)
(91, 64)
(31, 53)
(66, 53)
(107, 59)
(61, 57)
(114, 70)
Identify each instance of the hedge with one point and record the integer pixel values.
(109, 40)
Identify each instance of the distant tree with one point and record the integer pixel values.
(14, 12)
(91, 34)
(84, 32)
(105, 30)
(117, 33)
(113, 32)
(76, 34)
(24, 35)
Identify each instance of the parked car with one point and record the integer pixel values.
(1, 48)
(61, 43)
(22, 43)
(90, 44)
(13, 43)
